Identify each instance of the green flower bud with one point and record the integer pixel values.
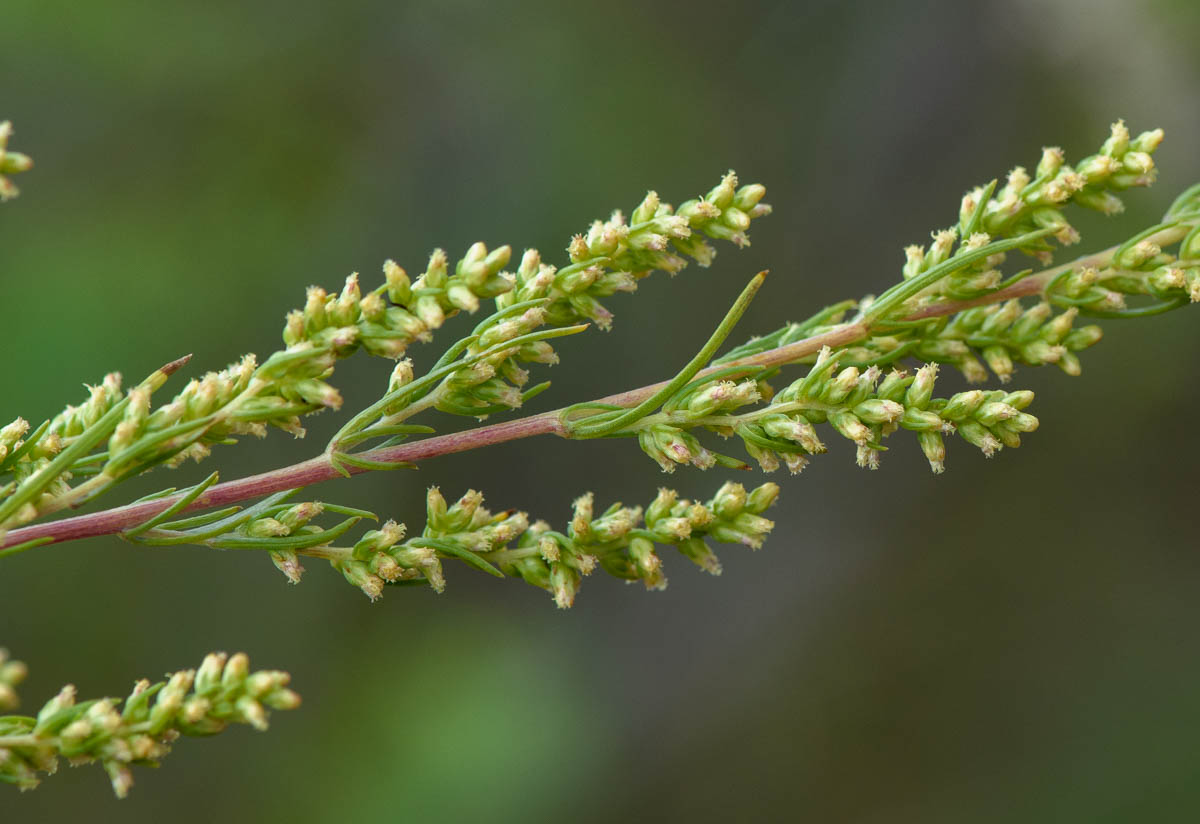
(939, 250)
(378, 540)
(360, 575)
(698, 552)
(1192, 276)
(399, 288)
(1002, 318)
(344, 309)
(748, 196)
(265, 528)
(768, 461)
(990, 414)
(564, 583)
(1137, 255)
(920, 391)
(934, 449)
(735, 219)
(287, 562)
(977, 435)
(962, 405)
(647, 209)
(840, 386)
(1167, 278)
(1052, 160)
(1097, 169)
(972, 369)
(729, 501)
(1038, 352)
(315, 318)
(878, 411)
(1030, 321)
(1137, 163)
(849, 426)
(1148, 141)
(914, 260)
(681, 447)
(436, 271)
(893, 385)
(920, 420)
(671, 530)
(460, 296)
(761, 498)
(723, 194)
(1104, 202)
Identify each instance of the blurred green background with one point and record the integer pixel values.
(1013, 640)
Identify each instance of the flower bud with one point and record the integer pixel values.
(878, 411)
(934, 449)
(399, 288)
(761, 498)
(914, 263)
(698, 552)
(977, 435)
(436, 271)
(460, 296)
(729, 501)
(849, 426)
(647, 209)
(1118, 143)
(564, 583)
(920, 391)
(287, 562)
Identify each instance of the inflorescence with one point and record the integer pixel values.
(870, 370)
(139, 730)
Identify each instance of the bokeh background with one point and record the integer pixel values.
(1013, 640)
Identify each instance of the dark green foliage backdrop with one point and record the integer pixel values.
(1010, 641)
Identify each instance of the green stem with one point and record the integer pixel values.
(595, 427)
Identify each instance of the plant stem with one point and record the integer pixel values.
(319, 468)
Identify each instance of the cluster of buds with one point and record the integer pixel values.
(33, 477)
(1026, 204)
(1139, 267)
(388, 319)
(464, 529)
(618, 542)
(207, 410)
(1175, 281)
(10, 163)
(613, 255)
(506, 543)
(989, 420)
(670, 445)
(970, 280)
(557, 561)
(469, 524)
(864, 406)
(205, 701)
(1002, 334)
(378, 558)
(495, 383)
(23, 455)
(242, 399)
(102, 397)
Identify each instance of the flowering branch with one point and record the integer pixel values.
(954, 305)
(321, 468)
